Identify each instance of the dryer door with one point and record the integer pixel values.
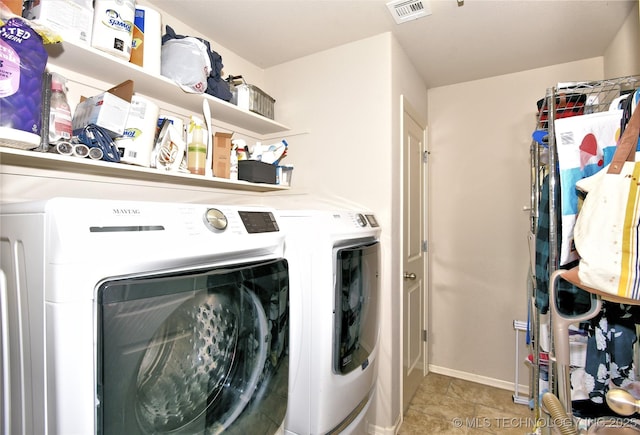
(356, 306)
(194, 352)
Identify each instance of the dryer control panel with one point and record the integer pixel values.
(372, 220)
(364, 220)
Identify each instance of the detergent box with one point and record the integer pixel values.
(108, 110)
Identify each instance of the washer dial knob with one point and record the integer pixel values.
(215, 219)
(360, 220)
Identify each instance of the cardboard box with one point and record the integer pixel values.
(221, 162)
(71, 19)
(108, 110)
(257, 172)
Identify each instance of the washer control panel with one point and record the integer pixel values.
(215, 219)
(253, 221)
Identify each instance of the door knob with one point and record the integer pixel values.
(408, 275)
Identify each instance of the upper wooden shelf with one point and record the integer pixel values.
(94, 63)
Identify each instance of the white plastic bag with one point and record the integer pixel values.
(186, 62)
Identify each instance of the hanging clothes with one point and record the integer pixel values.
(571, 299)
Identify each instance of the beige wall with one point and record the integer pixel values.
(479, 134)
(622, 57)
(338, 104)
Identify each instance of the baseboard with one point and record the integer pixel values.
(379, 430)
(523, 390)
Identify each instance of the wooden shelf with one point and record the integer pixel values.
(90, 62)
(94, 63)
(75, 165)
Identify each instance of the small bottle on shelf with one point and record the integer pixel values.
(233, 170)
(60, 113)
(196, 150)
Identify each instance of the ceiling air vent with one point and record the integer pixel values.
(407, 10)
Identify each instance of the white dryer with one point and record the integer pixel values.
(334, 264)
(143, 318)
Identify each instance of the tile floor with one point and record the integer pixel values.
(445, 405)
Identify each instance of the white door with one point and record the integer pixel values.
(414, 362)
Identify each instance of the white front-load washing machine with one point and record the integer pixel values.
(334, 264)
(144, 318)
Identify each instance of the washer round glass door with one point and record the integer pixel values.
(197, 352)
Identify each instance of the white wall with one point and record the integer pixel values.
(344, 105)
(340, 101)
(337, 102)
(480, 134)
(407, 85)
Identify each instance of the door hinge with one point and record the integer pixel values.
(425, 157)
(425, 246)
(424, 335)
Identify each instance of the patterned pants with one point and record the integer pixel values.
(609, 361)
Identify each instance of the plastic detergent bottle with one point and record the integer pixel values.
(196, 151)
(60, 114)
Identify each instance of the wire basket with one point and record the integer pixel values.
(250, 97)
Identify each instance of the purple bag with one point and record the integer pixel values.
(23, 60)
